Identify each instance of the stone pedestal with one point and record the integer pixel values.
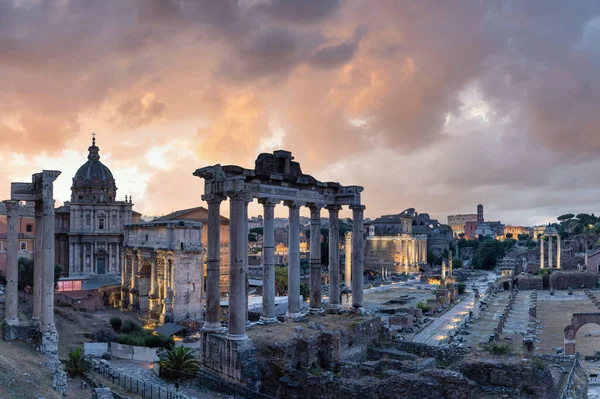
(232, 360)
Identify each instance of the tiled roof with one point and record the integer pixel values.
(180, 215)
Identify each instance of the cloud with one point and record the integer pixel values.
(136, 112)
(430, 106)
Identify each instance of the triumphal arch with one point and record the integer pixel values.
(276, 179)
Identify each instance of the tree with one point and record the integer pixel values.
(597, 228)
(457, 263)
(179, 363)
(281, 280)
(26, 273)
(461, 235)
(76, 363)
(487, 253)
(251, 237)
(523, 237)
(509, 235)
(256, 230)
(578, 229)
(566, 217)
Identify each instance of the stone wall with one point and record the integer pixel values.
(573, 279)
(445, 355)
(510, 377)
(530, 282)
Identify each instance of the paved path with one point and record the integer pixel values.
(436, 332)
(439, 329)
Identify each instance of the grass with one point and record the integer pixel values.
(498, 349)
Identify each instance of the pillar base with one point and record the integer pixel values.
(13, 321)
(294, 316)
(35, 321)
(236, 337)
(336, 308)
(268, 320)
(315, 310)
(213, 327)
(49, 342)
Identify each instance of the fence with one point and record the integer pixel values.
(568, 392)
(201, 381)
(145, 389)
(205, 381)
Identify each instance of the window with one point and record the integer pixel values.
(29, 228)
(101, 224)
(81, 197)
(23, 246)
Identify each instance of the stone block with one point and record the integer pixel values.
(95, 348)
(403, 320)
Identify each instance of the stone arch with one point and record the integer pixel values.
(577, 321)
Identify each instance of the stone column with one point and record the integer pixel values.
(268, 301)
(125, 282)
(334, 256)
(348, 263)
(49, 334)
(213, 264)
(357, 256)
(134, 292)
(153, 294)
(12, 263)
(315, 258)
(406, 253)
(247, 262)
(412, 251)
(294, 305)
(237, 267)
(558, 252)
(38, 262)
(443, 270)
(542, 252)
(450, 265)
(550, 260)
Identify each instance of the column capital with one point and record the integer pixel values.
(239, 195)
(268, 202)
(333, 208)
(12, 207)
(214, 198)
(294, 204)
(358, 207)
(314, 206)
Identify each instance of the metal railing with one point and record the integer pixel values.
(145, 389)
(206, 381)
(568, 391)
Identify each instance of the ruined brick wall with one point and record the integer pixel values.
(574, 279)
(445, 355)
(530, 282)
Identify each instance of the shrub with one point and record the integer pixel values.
(423, 307)
(461, 288)
(77, 363)
(2, 279)
(498, 349)
(116, 323)
(159, 341)
(132, 339)
(129, 326)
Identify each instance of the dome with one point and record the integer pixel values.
(93, 181)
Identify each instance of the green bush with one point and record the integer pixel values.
(461, 288)
(147, 339)
(116, 323)
(498, 349)
(132, 339)
(159, 341)
(423, 307)
(129, 326)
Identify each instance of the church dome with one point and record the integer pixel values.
(93, 181)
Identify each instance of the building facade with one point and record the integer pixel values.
(96, 220)
(25, 233)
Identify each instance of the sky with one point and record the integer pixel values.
(434, 105)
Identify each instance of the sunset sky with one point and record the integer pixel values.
(436, 105)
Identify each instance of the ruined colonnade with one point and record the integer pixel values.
(40, 191)
(550, 232)
(276, 179)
